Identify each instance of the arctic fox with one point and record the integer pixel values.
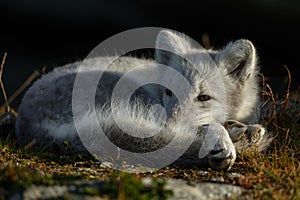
(210, 115)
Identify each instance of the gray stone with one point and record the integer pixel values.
(199, 191)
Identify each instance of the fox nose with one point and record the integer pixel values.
(214, 152)
(219, 163)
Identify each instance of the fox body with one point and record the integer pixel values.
(221, 100)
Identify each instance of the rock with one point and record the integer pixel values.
(75, 191)
(202, 173)
(199, 191)
(235, 175)
(42, 192)
(106, 165)
(217, 179)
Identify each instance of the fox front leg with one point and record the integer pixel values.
(236, 130)
(246, 136)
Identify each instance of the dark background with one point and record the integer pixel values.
(36, 33)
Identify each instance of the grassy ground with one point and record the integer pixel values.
(272, 175)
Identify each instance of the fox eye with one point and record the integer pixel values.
(203, 97)
(169, 92)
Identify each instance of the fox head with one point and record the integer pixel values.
(224, 82)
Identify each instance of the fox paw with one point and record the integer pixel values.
(222, 156)
(220, 150)
(245, 136)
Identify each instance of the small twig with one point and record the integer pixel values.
(2, 64)
(271, 93)
(287, 94)
(263, 94)
(273, 99)
(278, 127)
(1, 82)
(263, 86)
(22, 87)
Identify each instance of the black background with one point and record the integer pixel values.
(36, 33)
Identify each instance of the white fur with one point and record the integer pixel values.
(228, 76)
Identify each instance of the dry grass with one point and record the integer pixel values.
(276, 174)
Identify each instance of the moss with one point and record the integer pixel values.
(127, 186)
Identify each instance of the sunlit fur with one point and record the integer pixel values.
(228, 76)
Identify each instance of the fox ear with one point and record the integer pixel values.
(239, 59)
(169, 43)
